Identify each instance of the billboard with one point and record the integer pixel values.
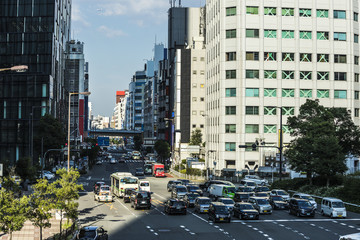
(103, 141)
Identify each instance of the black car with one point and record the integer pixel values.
(140, 199)
(174, 205)
(245, 211)
(190, 199)
(171, 183)
(218, 212)
(139, 172)
(301, 207)
(277, 202)
(241, 197)
(127, 194)
(92, 233)
(184, 181)
(194, 188)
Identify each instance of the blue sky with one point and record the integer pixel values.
(119, 37)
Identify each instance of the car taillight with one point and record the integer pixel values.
(135, 201)
(121, 188)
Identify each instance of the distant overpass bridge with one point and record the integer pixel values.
(114, 133)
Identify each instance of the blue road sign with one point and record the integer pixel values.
(103, 141)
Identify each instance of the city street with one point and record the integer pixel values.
(123, 222)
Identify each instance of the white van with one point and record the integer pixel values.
(144, 186)
(333, 207)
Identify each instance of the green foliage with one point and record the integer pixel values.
(193, 171)
(196, 137)
(26, 169)
(138, 142)
(162, 148)
(201, 160)
(183, 171)
(183, 161)
(290, 184)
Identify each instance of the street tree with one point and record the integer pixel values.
(196, 137)
(163, 149)
(137, 142)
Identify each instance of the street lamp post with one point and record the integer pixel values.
(68, 150)
(32, 130)
(20, 68)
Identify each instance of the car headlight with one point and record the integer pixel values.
(217, 216)
(303, 210)
(229, 215)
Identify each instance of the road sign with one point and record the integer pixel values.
(103, 141)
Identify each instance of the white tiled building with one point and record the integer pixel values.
(263, 55)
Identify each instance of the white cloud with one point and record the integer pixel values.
(130, 7)
(110, 32)
(77, 16)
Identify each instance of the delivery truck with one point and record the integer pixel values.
(220, 190)
(158, 170)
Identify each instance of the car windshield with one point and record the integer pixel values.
(181, 189)
(307, 197)
(230, 189)
(87, 234)
(107, 188)
(227, 201)
(261, 195)
(177, 203)
(143, 195)
(262, 201)
(338, 204)
(264, 189)
(193, 196)
(221, 209)
(139, 169)
(243, 196)
(204, 201)
(277, 198)
(193, 187)
(282, 193)
(144, 184)
(129, 180)
(159, 169)
(246, 206)
(250, 184)
(245, 189)
(304, 204)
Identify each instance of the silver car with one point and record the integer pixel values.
(229, 203)
(202, 204)
(261, 204)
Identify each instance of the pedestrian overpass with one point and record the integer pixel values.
(114, 133)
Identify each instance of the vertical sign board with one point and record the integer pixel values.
(103, 141)
(1, 170)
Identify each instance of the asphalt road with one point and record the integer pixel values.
(123, 222)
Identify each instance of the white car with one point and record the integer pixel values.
(113, 161)
(48, 175)
(281, 193)
(256, 179)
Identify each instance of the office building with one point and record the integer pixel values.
(120, 109)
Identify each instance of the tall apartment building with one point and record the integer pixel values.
(266, 55)
(120, 109)
(32, 34)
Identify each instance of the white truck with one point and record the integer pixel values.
(144, 185)
(220, 190)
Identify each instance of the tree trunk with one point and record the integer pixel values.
(60, 223)
(40, 233)
(10, 235)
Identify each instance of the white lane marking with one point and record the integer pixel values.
(293, 220)
(127, 208)
(160, 196)
(159, 211)
(351, 226)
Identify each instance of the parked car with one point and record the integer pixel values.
(48, 175)
(202, 204)
(353, 236)
(261, 204)
(171, 183)
(301, 207)
(218, 212)
(248, 183)
(140, 199)
(175, 206)
(127, 194)
(194, 188)
(92, 233)
(98, 162)
(333, 207)
(139, 172)
(97, 186)
(190, 199)
(241, 197)
(306, 196)
(256, 179)
(144, 186)
(280, 192)
(262, 189)
(245, 211)
(229, 203)
(179, 191)
(277, 202)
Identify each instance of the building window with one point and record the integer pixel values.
(304, 12)
(194, 112)
(252, 33)
(194, 99)
(252, 10)
(288, 74)
(230, 92)
(287, 92)
(356, 77)
(269, 110)
(270, 74)
(194, 59)
(230, 110)
(194, 85)
(356, 95)
(287, 34)
(356, 16)
(201, 125)
(230, 11)
(230, 128)
(194, 125)
(322, 13)
(306, 93)
(288, 57)
(269, 128)
(202, 72)
(339, 14)
(287, 11)
(194, 72)
(269, 56)
(230, 74)
(340, 94)
(305, 35)
(322, 93)
(356, 60)
(251, 128)
(288, 111)
(286, 129)
(305, 57)
(322, 75)
(338, 58)
(356, 113)
(252, 92)
(305, 75)
(202, 59)
(230, 146)
(356, 38)
(231, 33)
(269, 33)
(231, 56)
(322, 35)
(269, 92)
(270, 11)
(252, 74)
(340, 76)
(339, 36)
(254, 56)
(202, 99)
(323, 57)
(252, 110)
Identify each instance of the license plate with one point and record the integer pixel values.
(265, 210)
(308, 214)
(205, 210)
(221, 219)
(339, 215)
(143, 202)
(251, 216)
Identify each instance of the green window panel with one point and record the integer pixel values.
(231, 33)
(356, 16)
(230, 11)
(288, 57)
(269, 56)
(230, 146)
(339, 14)
(286, 129)
(323, 57)
(252, 110)
(322, 35)
(252, 92)
(269, 110)
(338, 58)
(230, 110)
(305, 12)
(269, 92)
(322, 13)
(322, 75)
(305, 75)
(339, 36)
(287, 34)
(288, 74)
(252, 33)
(356, 38)
(305, 35)
(306, 93)
(269, 128)
(230, 56)
(287, 11)
(230, 74)
(322, 93)
(252, 74)
(286, 92)
(270, 74)
(251, 128)
(305, 57)
(230, 92)
(269, 33)
(288, 111)
(270, 11)
(356, 95)
(340, 94)
(254, 56)
(252, 10)
(230, 128)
